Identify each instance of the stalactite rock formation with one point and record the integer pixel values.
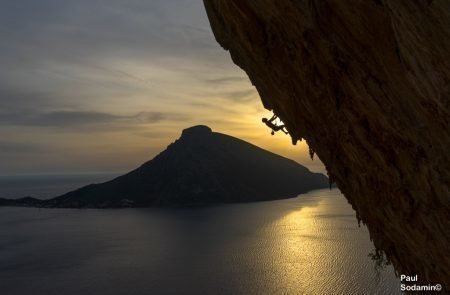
(367, 84)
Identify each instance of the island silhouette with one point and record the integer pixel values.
(200, 168)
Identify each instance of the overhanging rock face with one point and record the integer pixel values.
(367, 84)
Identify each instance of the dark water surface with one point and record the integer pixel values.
(311, 244)
(47, 186)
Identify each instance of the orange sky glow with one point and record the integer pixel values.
(104, 88)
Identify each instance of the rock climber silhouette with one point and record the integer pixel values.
(273, 126)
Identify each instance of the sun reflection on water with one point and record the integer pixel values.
(318, 249)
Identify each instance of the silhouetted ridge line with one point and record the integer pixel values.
(200, 168)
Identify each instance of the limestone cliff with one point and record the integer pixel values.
(367, 84)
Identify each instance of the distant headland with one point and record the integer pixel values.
(200, 168)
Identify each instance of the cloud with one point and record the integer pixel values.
(11, 147)
(122, 77)
(68, 118)
(226, 80)
(240, 96)
(154, 117)
(65, 119)
(85, 29)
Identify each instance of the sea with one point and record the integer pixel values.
(311, 244)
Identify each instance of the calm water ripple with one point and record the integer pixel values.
(308, 245)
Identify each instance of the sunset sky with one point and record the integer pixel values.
(96, 86)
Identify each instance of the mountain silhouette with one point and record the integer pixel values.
(200, 168)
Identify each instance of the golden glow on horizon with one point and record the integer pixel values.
(112, 105)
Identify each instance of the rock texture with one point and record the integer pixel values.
(367, 84)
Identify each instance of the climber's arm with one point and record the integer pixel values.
(273, 118)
